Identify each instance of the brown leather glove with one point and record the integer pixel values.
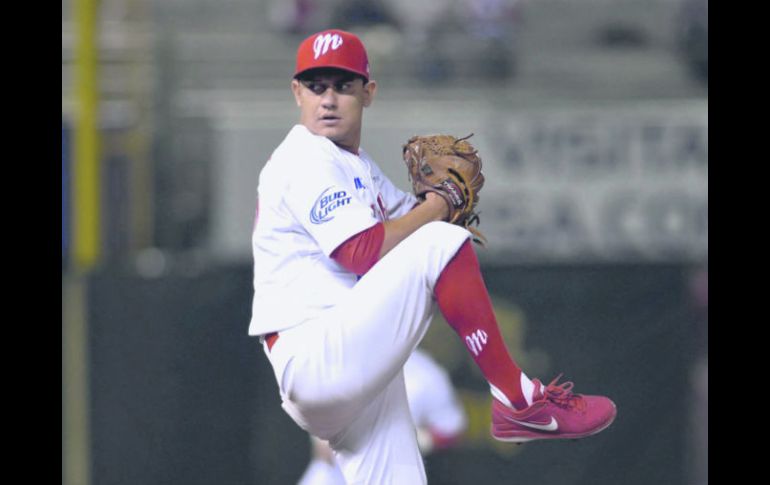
(451, 168)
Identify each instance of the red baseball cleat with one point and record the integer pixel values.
(555, 413)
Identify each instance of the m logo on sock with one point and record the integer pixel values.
(476, 341)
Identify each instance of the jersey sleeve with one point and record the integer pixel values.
(362, 251)
(325, 204)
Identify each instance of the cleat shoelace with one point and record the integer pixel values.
(562, 395)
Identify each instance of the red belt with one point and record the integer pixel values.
(271, 338)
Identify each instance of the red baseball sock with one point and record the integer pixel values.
(465, 303)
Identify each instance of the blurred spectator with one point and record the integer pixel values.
(300, 16)
(489, 19)
(439, 33)
(494, 23)
(349, 14)
(693, 36)
(307, 16)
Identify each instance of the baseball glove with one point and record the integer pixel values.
(451, 168)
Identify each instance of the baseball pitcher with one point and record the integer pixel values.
(348, 271)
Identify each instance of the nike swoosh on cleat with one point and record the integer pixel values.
(552, 426)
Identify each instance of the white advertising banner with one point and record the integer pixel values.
(617, 184)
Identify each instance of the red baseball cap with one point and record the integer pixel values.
(333, 48)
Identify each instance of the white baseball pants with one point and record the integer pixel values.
(340, 376)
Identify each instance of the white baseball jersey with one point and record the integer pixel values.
(313, 196)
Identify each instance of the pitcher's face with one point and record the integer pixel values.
(332, 102)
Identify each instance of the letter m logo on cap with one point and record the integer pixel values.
(323, 42)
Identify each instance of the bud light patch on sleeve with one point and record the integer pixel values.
(326, 203)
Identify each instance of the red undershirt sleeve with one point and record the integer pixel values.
(360, 252)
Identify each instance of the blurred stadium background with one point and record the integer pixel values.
(592, 119)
